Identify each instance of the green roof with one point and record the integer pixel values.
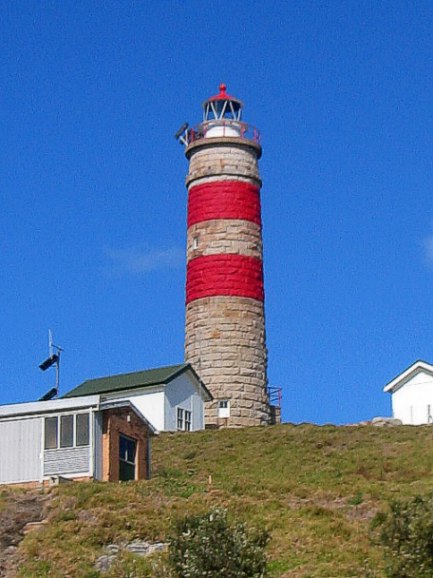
(132, 380)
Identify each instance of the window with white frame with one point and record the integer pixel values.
(224, 408)
(184, 419)
(180, 418)
(67, 431)
(187, 420)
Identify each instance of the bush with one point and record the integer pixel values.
(406, 533)
(209, 546)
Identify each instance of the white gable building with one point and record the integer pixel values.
(412, 394)
(171, 398)
(101, 429)
(78, 438)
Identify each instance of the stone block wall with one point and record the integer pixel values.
(225, 323)
(224, 157)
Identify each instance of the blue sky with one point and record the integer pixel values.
(93, 203)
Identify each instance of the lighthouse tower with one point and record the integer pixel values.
(225, 322)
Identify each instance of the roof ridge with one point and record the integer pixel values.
(133, 379)
(161, 367)
(404, 375)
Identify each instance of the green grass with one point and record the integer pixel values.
(315, 488)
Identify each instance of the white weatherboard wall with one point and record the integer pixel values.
(22, 454)
(20, 450)
(149, 401)
(68, 461)
(159, 404)
(181, 393)
(412, 402)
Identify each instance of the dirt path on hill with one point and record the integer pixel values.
(16, 511)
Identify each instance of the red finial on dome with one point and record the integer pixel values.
(222, 95)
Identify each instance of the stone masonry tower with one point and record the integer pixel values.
(225, 323)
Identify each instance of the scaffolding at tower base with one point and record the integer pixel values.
(275, 396)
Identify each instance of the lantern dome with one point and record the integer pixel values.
(222, 117)
(223, 114)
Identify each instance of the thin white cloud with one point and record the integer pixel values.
(428, 250)
(139, 261)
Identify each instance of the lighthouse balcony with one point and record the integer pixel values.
(221, 128)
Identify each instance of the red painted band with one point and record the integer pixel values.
(224, 274)
(224, 200)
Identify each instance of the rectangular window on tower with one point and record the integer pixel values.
(224, 408)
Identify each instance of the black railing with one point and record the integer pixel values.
(275, 395)
(221, 128)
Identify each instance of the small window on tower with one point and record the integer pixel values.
(224, 408)
(195, 242)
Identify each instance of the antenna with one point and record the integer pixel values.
(53, 359)
(50, 342)
(182, 134)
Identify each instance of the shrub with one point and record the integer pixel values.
(406, 533)
(209, 546)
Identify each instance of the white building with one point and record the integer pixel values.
(412, 394)
(170, 398)
(101, 429)
(78, 438)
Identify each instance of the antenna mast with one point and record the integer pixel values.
(53, 359)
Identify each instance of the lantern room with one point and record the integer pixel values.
(222, 106)
(222, 115)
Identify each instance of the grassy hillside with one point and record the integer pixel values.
(315, 488)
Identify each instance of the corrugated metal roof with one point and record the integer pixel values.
(146, 378)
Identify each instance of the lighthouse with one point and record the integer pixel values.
(225, 339)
